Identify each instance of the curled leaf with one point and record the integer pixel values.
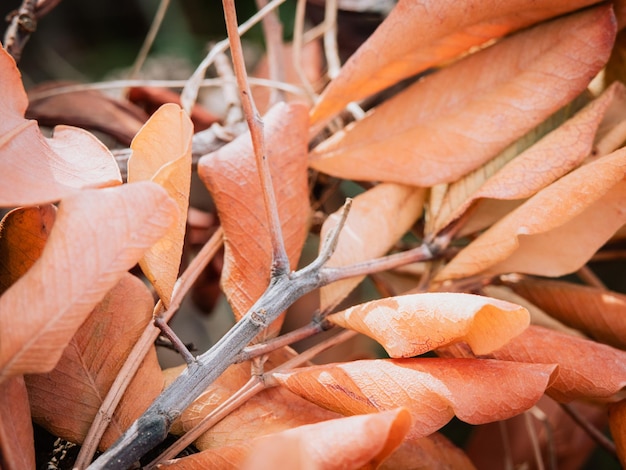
(453, 121)
(37, 170)
(420, 34)
(377, 220)
(587, 370)
(162, 153)
(433, 389)
(98, 235)
(354, 442)
(410, 325)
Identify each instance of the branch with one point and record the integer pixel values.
(23, 24)
(280, 261)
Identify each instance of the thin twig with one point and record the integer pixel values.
(280, 260)
(141, 348)
(330, 39)
(590, 278)
(298, 44)
(590, 429)
(190, 91)
(150, 37)
(540, 416)
(532, 434)
(22, 25)
(283, 340)
(273, 32)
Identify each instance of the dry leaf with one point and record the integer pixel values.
(17, 444)
(88, 109)
(421, 34)
(598, 312)
(37, 170)
(357, 442)
(453, 121)
(427, 453)
(433, 389)
(98, 235)
(377, 220)
(233, 180)
(222, 458)
(23, 234)
(411, 325)
(162, 153)
(587, 370)
(66, 408)
(546, 236)
(542, 163)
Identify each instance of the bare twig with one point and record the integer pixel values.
(255, 385)
(23, 24)
(593, 432)
(141, 348)
(273, 32)
(298, 43)
(190, 92)
(590, 278)
(280, 260)
(534, 441)
(150, 37)
(330, 39)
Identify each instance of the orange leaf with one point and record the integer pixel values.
(67, 408)
(221, 458)
(430, 452)
(617, 423)
(418, 35)
(554, 155)
(587, 370)
(410, 325)
(162, 153)
(433, 389)
(377, 220)
(359, 442)
(35, 169)
(453, 121)
(23, 234)
(17, 444)
(546, 237)
(98, 235)
(232, 178)
(598, 312)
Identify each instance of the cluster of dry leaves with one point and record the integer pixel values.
(500, 160)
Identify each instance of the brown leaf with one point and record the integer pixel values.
(98, 235)
(419, 35)
(587, 370)
(541, 164)
(88, 109)
(357, 442)
(66, 408)
(23, 234)
(453, 121)
(17, 444)
(38, 170)
(547, 237)
(410, 325)
(426, 453)
(232, 178)
(162, 153)
(433, 389)
(598, 312)
(377, 220)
